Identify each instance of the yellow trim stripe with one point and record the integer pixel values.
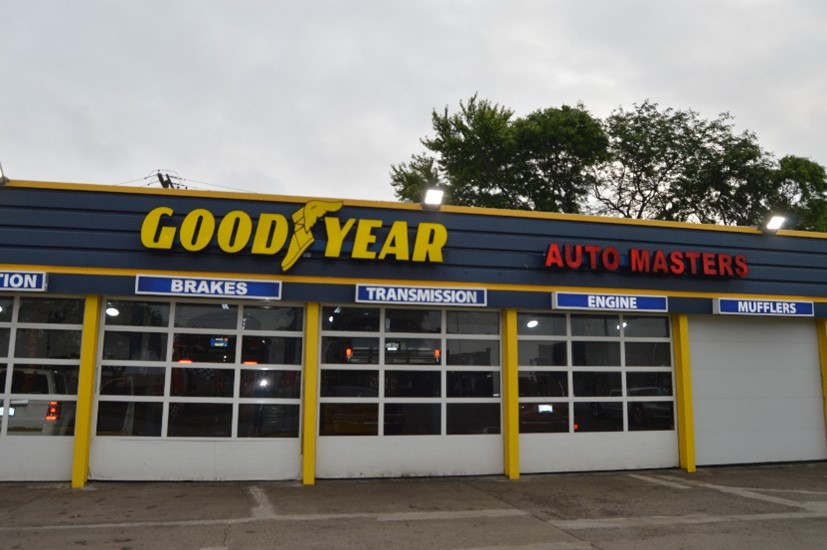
(118, 272)
(511, 398)
(821, 327)
(310, 398)
(86, 392)
(683, 382)
(491, 212)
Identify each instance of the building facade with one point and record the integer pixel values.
(187, 335)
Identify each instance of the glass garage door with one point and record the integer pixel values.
(198, 391)
(40, 340)
(596, 392)
(409, 392)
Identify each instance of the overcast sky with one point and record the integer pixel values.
(319, 98)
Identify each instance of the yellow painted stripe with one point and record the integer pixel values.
(683, 381)
(86, 392)
(511, 397)
(490, 212)
(118, 272)
(821, 327)
(310, 398)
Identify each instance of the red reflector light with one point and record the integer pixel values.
(53, 412)
(576, 427)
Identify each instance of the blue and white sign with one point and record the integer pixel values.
(23, 281)
(781, 308)
(609, 302)
(417, 295)
(208, 287)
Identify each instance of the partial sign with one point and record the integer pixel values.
(208, 287)
(777, 308)
(609, 302)
(23, 281)
(417, 295)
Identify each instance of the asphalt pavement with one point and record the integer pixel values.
(765, 506)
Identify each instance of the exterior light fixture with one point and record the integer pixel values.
(433, 198)
(3, 179)
(775, 223)
(112, 311)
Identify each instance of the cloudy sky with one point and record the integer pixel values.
(319, 98)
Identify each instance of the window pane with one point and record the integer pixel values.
(651, 415)
(345, 350)
(195, 382)
(268, 420)
(6, 305)
(137, 314)
(595, 354)
(143, 346)
(543, 384)
(355, 319)
(541, 324)
(473, 352)
(129, 418)
(473, 384)
(44, 379)
(47, 344)
(595, 325)
(350, 383)
(273, 318)
(473, 322)
(283, 384)
(412, 419)
(648, 354)
(645, 326)
(598, 417)
(203, 348)
(412, 383)
(602, 384)
(544, 418)
(4, 342)
(349, 419)
(473, 418)
(206, 316)
(132, 381)
(649, 383)
(41, 417)
(413, 320)
(50, 310)
(274, 350)
(412, 351)
(200, 420)
(539, 354)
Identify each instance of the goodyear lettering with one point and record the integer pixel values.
(237, 231)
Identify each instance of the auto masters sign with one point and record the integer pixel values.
(271, 234)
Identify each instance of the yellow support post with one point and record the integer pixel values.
(683, 380)
(310, 396)
(511, 397)
(86, 392)
(821, 327)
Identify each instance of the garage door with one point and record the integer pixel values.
(757, 390)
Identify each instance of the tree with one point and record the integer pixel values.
(485, 156)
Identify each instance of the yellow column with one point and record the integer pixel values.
(310, 399)
(511, 397)
(821, 327)
(86, 391)
(683, 380)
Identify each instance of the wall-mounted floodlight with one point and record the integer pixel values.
(3, 178)
(433, 198)
(775, 223)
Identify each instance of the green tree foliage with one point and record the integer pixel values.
(485, 156)
(644, 163)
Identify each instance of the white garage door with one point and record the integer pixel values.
(757, 390)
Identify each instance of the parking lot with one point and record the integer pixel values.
(768, 506)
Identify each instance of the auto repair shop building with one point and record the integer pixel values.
(187, 335)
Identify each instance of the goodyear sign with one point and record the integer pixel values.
(271, 234)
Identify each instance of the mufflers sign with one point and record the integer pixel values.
(645, 260)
